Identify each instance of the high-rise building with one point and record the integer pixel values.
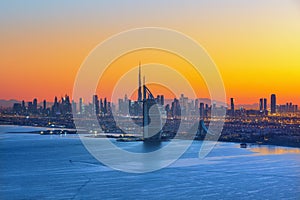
(74, 107)
(55, 107)
(23, 106)
(162, 100)
(273, 103)
(175, 108)
(65, 106)
(183, 101)
(232, 106)
(95, 104)
(34, 105)
(126, 104)
(196, 104)
(201, 109)
(109, 108)
(261, 104)
(80, 105)
(265, 104)
(105, 106)
(168, 110)
(206, 110)
(44, 104)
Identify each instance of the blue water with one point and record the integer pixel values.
(59, 167)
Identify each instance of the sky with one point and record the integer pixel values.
(255, 44)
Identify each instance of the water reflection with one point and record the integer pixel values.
(267, 150)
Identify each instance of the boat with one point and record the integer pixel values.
(243, 145)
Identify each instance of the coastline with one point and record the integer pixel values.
(125, 138)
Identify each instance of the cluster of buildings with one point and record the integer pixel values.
(274, 108)
(183, 106)
(271, 123)
(240, 124)
(287, 108)
(60, 107)
(176, 108)
(128, 107)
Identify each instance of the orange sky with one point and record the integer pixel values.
(255, 44)
(151, 70)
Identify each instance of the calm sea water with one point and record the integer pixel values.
(59, 167)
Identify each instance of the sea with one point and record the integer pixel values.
(34, 166)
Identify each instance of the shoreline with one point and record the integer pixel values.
(136, 139)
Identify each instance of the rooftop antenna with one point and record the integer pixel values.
(140, 84)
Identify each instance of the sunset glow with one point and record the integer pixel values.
(255, 44)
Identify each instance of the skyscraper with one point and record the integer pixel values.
(232, 106)
(105, 106)
(23, 106)
(261, 104)
(74, 107)
(35, 105)
(80, 105)
(44, 104)
(273, 103)
(101, 106)
(196, 104)
(95, 104)
(201, 109)
(162, 99)
(265, 104)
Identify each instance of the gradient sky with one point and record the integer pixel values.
(255, 43)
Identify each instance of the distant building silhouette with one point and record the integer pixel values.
(34, 106)
(201, 110)
(95, 104)
(261, 104)
(273, 103)
(44, 105)
(74, 107)
(232, 106)
(81, 106)
(265, 104)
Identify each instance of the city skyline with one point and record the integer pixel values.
(166, 99)
(103, 104)
(262, 105)
(158, 90)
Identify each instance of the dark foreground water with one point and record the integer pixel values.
(59, 167)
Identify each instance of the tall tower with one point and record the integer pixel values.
(44, 105)
(232, 106)
(273, 103)
(140, 85)
(80, 105)
(265, 104)
(261, 104)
